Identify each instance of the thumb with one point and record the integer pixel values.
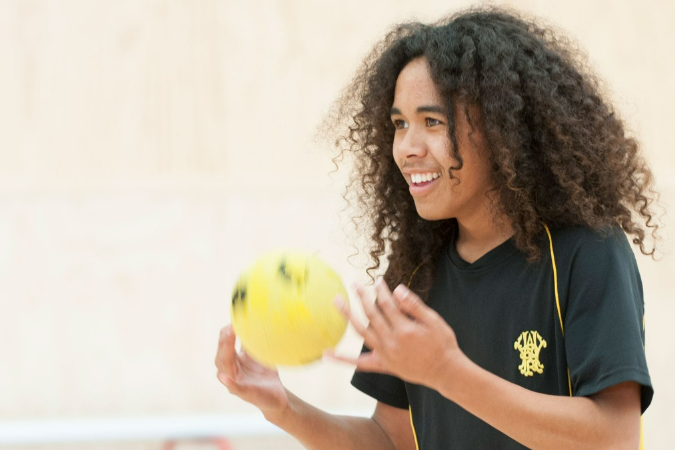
(369, 362)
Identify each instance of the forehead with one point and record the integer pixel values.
(415, 85)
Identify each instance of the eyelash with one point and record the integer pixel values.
(401, 124)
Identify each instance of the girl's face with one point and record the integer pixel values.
(422, 150)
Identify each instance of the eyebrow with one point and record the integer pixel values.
(420, 109)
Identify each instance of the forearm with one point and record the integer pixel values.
(538, 420)
(319, 430)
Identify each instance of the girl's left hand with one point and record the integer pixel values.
(406, 337)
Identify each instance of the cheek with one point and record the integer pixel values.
(476, 178)
(395, 150)
(442, 152)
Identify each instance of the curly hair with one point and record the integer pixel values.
(560, 153)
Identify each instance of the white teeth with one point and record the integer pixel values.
(423, 177)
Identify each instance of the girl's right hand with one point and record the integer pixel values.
(248, 379)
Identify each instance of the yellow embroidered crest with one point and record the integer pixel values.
(529, 344)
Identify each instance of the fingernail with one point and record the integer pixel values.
(403, 290)
(339, 303)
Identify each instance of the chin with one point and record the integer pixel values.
(431, 214)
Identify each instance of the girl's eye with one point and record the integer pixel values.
(400, 124)
(432, 122)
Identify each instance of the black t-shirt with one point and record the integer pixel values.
(504, 314)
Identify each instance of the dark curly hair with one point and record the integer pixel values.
(559, 152)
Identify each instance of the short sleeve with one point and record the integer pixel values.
(383, 388)
(603, 323)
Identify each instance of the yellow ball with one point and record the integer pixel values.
(283, 311)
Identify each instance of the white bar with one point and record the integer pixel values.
(133, 429)
(156, 428)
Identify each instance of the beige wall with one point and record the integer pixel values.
(150, 149)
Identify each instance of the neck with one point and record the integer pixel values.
(477, 237)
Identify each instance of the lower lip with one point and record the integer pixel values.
(422, 188)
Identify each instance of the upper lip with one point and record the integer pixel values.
(411, 172)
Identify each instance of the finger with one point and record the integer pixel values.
(412, 305)
(225, 379)
(231, 384)
(252, 365)
(377, 324)
(388, 306)
(244, 389)
(369, 362)
(365, 362)
(368, 335)
(330, 354)
(248, 364)
(226, 356)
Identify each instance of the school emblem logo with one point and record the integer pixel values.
(529, 344)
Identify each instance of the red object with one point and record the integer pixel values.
(220, 444)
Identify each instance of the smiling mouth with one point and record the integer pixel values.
(420, 179)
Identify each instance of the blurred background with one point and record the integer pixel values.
(149, 150)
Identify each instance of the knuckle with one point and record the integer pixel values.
(413, 301)
(390, 345)
(386, 304)
(406, 332)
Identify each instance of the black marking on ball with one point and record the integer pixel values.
(292, 276)
(283, 272)
(239, 297)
